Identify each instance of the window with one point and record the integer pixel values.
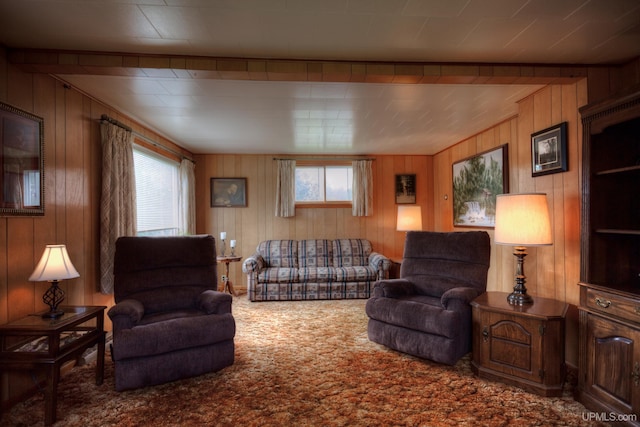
(324, 184)
(157, 180)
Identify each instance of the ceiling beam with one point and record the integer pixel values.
(197, 67)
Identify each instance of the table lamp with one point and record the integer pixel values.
(409, 218)
(522, 220)
(53, 267)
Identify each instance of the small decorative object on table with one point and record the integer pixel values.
(223, 237)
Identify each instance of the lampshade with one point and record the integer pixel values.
(409, 218)
(522, 220)
(54, 265)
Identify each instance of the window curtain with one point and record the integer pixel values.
(187, 197)
(118, 202)
(286, 188)
(362, 204)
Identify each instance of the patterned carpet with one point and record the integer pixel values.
(305, 364)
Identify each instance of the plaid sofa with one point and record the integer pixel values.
(313, 269)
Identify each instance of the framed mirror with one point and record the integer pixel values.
(21, 162)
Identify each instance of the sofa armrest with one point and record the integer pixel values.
(126, 314)
(392, 288)
(253, 264)
(381, 264)
(214, 302)
(457, 298)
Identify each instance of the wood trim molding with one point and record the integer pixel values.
(124, 64)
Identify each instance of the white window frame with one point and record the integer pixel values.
(324, 165)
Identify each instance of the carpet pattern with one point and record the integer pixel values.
(306, 363)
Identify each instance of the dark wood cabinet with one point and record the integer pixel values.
(520, 345)
(609, 356)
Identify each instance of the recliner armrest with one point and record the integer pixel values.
(457, 298)
(392, 288)
(126, 314)
(214, 302)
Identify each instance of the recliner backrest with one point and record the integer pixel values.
(438, 261)
(164, 273)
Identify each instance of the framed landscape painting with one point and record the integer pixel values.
(477, 181)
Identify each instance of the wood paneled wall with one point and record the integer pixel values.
(551, 271)
(256, 222)
(72, 200)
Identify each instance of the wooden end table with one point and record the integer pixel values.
(35, 342)
(226, 282)
(520, 345)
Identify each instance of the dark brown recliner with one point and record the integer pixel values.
(426, 313)
(169, 321)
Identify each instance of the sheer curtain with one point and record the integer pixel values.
(286, 188)
(187, 197)
(362, 204)
(118, 202)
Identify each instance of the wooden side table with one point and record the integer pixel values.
(34, 342)
(520, 345)
(227, 284)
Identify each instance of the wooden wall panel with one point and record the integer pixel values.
(257, 221)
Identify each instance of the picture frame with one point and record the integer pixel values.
(228, 192)
(477, 180)
(22, 162)
(405, 189)
(549, 150)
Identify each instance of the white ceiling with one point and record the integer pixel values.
(215, 116)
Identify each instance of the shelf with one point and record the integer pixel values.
(618, 231)
(626, 169)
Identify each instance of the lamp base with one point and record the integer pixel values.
(54, 314)
(519, 295)
(518, 298)
(53, 297)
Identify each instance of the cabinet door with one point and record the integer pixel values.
(613, 370)
(511, 345)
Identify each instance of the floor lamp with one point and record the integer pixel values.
(522, 220)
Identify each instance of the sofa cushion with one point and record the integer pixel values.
(279, 253)
(319, 274)
(356, 274)
(278, 275)
(315, 253)
(351, 252)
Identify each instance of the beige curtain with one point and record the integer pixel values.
(187, 197)
(286, 188)
(118, 204)
(362, 204)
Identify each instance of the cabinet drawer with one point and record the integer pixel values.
(613, 305)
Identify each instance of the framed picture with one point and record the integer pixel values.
(477, 181)
(549, 150)
(405, 189)
(228, 192)
(21, 162)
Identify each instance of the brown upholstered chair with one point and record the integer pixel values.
(426, 312)
(169, 321)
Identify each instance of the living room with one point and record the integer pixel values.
(72, 184)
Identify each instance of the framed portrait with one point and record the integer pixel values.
(405, 189)
(549, 150)
(21, 162)
(477, 181)
(228, 192)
